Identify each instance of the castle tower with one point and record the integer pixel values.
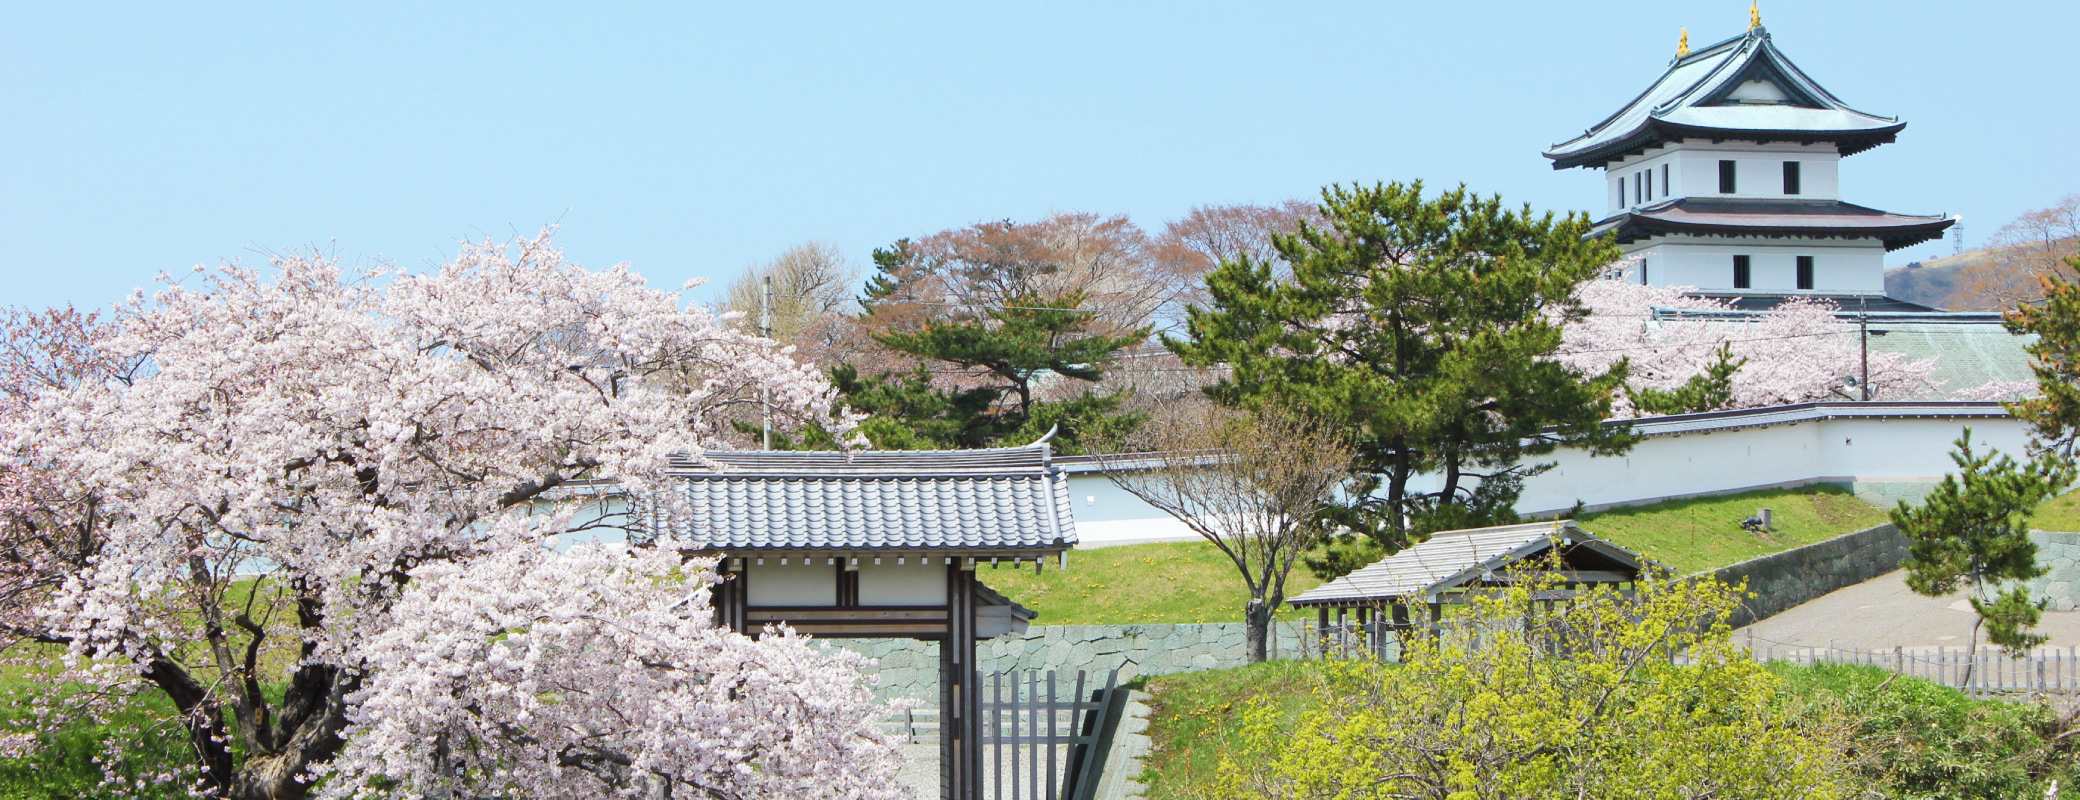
(1723, 175)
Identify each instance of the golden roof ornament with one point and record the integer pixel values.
(1754, 14)
(1683, 44)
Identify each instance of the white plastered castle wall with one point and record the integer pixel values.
(1840, 266)
(1693, 171)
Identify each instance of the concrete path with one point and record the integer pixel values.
(1882, 613)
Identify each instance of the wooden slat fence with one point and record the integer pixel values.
(1985, 672)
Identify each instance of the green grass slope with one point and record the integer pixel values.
(1703, 533)
(1193, 582)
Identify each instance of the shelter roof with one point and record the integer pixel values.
(1458, 559)
(996, 502)
(1742, 88)
(1774, 218)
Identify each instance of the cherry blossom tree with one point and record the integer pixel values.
(1798, 352)
(319, 511)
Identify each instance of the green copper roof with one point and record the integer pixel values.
(1968, 355)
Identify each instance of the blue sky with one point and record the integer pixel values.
(692, 139)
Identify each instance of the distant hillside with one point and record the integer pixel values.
(1934, 282)
(1931, 282)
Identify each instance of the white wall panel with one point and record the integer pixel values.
(796, 583)
(906, 584)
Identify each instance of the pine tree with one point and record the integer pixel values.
(1711, 390)
(1427, 328)
(1011, 346)
(1973, 532)
(2053, 415)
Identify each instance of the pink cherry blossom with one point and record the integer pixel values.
(1798, 352)
(351, 481)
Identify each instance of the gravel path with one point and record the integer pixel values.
(1882, 613)
(920, 770)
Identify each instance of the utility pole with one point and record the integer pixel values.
(1863, 333)
(765, 394)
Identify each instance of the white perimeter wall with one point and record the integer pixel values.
(1914, 451)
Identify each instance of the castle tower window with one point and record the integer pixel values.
(1740, 271)
(1805, 272)
(1791, 177)
(1726, 175)
(1666, 190)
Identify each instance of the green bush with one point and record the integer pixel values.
(1906, 738)
(1925, 740)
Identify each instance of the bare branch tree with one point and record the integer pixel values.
(2032, 246)
(812, 282)
(1251, 483)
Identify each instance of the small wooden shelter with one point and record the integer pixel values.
(884, 544)
(1451, 565)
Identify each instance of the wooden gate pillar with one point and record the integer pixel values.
(960, 701)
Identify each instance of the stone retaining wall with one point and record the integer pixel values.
(1782, 580)
(2060, 590)
(910, 668)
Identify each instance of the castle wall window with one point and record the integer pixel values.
(1805, 272)
(1740, 269)
(1665, 188)
(1726, 175)
(1791, 177)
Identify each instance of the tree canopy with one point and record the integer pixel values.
(1021, 327)
(1426, 325)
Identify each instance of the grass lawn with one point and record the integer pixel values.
(1163, 583)
(2060, 514)
(1195, 714)
(68, 766)
(1705, 532)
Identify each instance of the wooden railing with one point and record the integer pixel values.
(1984, 672)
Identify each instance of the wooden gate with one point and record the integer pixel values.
(1041, 744)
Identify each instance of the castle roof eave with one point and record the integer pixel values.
(1847, 142)
(1771, 218)
(1690, 100)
